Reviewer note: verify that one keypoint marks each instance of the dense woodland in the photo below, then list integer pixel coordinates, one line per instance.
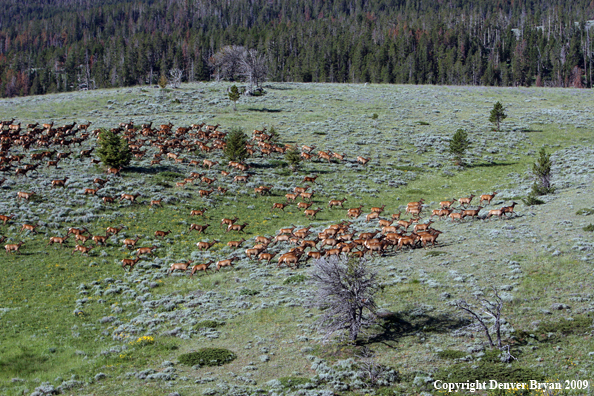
(62, 45)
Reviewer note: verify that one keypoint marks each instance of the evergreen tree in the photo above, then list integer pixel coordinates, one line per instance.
(293, 157)
(234, 96)
(113, 149)
(458, 145)
(235, 149)
(542, 171)
(497, 115)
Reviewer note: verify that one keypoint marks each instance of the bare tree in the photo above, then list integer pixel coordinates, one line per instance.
(176, 77)
(253, 67)
(227, 62)
(492, 311)
(346, 290)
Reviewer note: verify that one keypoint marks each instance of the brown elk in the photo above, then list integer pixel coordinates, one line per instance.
(115, 171)
(496, 212)
(304, 205)
(130, 263)
(59, 240)
(52, 163)
(291, 197)
(508, 209)
(5, 218)
(25, 195)
(198, 212)
(456, 216)
(226, 263)
(312, 212)
(441, 212)
(378, 210)
(385, 223)
(465, 200)
(13, 247)
(130, 243)
(82, 238)
(422, 227)
(430, 236)
(129, 197)
(200, 267)
(99, 181)
(371, 216)
(237, 227)
(472, 212)
(236, 244)
(59, 182)
(91, 191)
(207, 180)
(266, 256)
(205, 193)
(206, 245)
(336, 202)
(363, 160)
(241, 178)
(199, 228)
(146, 250)
(78, 231)
(100, 239)
(288, 259)
(299, 190)
(108, 199)
(162, 234)
(228, 222)
(307, 196)
(156, 202)
(446, 204)
(208, 163)
(355, 212)
(29, 227)
(263, 240)
(405, 224)
(310, 179)
(280, 206)
(82, 249)
(487, 197)
(114, 230)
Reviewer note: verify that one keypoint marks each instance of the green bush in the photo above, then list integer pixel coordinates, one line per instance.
(589, 228)
(532, 200)
(293, 382)
(248, 292)
(294, 279)
(113, 149)
(208, 324)
(207, 357)
(169, 176)
(579, 325)
(585, 212)
(451, 354)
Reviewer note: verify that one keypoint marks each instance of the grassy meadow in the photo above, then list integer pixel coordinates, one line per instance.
(72, 323)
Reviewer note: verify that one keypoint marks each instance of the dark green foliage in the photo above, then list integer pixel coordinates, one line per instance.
(423, 123)
(579, 325)
(169, 176)
(274, 133)
(234, 96)
(22, 364)
(163, 81)
(208, 324)
(293, 157)
(542, 172)
(248, 292)
(278, 163)
(497, 115)
(589, 228)
(458, 145)
(451, 354)
(531, 200)
(113, 150)
(293, 382)
(207, 357)
(585, 212)
(236, 141)
(294, 279)
(386, 392)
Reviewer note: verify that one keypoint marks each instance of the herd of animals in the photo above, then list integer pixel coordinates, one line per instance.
(45, 145)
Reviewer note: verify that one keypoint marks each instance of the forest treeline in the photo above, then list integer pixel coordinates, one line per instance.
(63, 45)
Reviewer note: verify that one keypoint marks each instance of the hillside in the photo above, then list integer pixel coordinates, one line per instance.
(75, 322)
(60, 46)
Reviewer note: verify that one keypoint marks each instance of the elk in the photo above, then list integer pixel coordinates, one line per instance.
(336, 202)
(288, 259)
(472, 212)
(29, 227)
(77, 231)
(405, 224)
(115, 171)
(130, 243)
(414, 210)
(456, 216)
(199, 228)
(25, 195)
(307, 196)
(207, 180)
(129, 197)
(310, 179)
(363, 160)
(299, 190)
(156, 202)
(59, 182)
(5, 218)
(162, 234)
(228, 222)
(496, 212)
(208, 163)
(312, 212)
(236, 244)
(308, 149)
(355, 212)
(108, 199)
(100, 239)
(130, 263)
(226, 263)
(291, 197)
(198, 212)
(241, 178)
(385, 223)
(205, 193)
(237, 227)
(82, 238)
(52, 163)
(146, 250)
(200, 267)
(378, 210)
(82, 249)
(280, 206)
(441, 212)
(408, 240)
(422, 227)
(91, 191)
(371, 216)
(508, 209)
(304, 205)
(13, 247)
(465, 201)
(206, 245)
(487, 197)
(446, 204)
(430, 237)
(266, 256)
(263, 240)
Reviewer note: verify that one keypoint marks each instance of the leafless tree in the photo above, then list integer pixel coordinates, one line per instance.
(492, 311)
(253, 67)
(227, 62)
(346, 290)
(176, 77)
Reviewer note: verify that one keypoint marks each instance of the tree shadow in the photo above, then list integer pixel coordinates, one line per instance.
(491, 164)
(398, 325)
(264, 110)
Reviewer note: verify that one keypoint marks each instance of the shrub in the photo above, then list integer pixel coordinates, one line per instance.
(235, 149)
(293, 382)
(451, 354)
(589, 228)
(234, 96)
(208, 324)
(579, 325)
(207, 357)
(458, 145)
(497, 115)
(532, 200)
(542, 171)
(248, 292)
(169, 176)
(113, 149)
(294, 279)
(293, 157)
(585, 212)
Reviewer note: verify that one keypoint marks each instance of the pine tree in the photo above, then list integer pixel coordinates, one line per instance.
(497, 114)
(542, 171)
(458, 145)
(113, 150)
(293, 157)
(235, 149)
(234, 96)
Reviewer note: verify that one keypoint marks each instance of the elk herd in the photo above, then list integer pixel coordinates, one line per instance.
(289, 246)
